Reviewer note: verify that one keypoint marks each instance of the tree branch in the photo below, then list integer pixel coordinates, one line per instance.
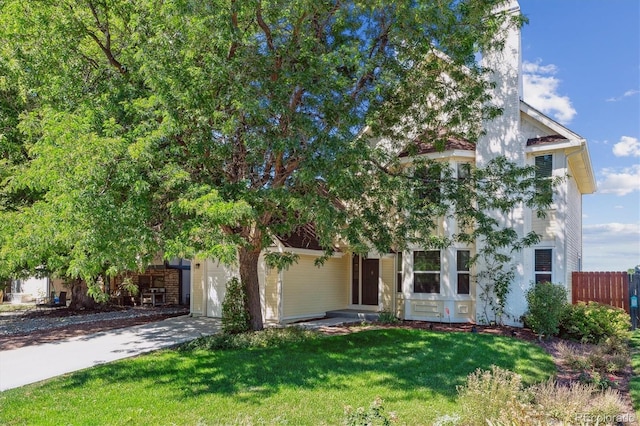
(265, 28)
(106, 46)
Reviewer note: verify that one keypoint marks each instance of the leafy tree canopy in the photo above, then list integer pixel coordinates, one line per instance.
(208, 127)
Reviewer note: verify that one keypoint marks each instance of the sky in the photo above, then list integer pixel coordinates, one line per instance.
(581, 67)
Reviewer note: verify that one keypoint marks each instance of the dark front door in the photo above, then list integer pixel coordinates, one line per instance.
(370, 275)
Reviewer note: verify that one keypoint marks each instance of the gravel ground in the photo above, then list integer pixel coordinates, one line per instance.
(34, 320)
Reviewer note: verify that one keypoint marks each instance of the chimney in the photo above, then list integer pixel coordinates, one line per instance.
(506, 73)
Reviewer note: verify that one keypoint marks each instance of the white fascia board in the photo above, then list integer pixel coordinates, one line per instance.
(548, 147)
(318, 253)
(452, 154)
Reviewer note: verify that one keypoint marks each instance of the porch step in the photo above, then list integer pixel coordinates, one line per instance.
(354, 313)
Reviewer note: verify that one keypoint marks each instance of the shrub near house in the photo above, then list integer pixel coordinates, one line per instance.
(547, 302)
(594, 323)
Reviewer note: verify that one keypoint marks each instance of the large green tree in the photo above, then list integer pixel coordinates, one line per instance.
(209, 127)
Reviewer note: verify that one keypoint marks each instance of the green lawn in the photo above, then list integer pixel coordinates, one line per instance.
(415, 373)
(9, 307)
(634, 385)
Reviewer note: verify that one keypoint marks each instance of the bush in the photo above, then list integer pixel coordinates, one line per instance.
(596, 323)
(546, 305)
(235, 316)
(491, 395)
(387, 317)
(497, 397)
(270, 337)
(565, 403)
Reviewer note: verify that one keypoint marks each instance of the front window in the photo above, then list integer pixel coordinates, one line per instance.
(462, 265)
(426, 271)
(543, 265)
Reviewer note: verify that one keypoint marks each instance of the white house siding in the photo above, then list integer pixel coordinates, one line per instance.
(270, 292)
(504, 137)
(217, 276)
(573, 233)
(547, 227)
(197, 287)
(309, 291)
(387, 283)
(29, 289)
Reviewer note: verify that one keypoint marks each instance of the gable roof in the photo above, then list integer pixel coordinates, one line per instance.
(304, 237)
(574, 146)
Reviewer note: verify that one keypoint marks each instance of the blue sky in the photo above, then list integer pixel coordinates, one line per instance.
(581, 66)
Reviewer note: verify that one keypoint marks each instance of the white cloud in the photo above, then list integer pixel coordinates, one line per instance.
(624, 95)
(611, 246)
(620, 181)
(627, 147)
(541, 91)
(536, 68)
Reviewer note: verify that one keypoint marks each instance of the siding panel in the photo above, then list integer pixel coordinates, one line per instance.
(309, 291)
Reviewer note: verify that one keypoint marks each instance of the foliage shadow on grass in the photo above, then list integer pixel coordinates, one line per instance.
(398, 359)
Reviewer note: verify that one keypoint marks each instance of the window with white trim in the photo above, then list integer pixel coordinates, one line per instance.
(430, 177)
(543, 265)
(464, 276)
(426, 271)
(544, 170)
(463, 171)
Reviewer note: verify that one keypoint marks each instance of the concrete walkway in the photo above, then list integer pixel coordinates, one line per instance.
(31, 364)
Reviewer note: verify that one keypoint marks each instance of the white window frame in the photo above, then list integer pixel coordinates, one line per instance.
(466, 271)
(437, 273)
(537, 272)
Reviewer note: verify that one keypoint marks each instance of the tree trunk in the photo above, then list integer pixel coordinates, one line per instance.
(79, 297)
(249, 276)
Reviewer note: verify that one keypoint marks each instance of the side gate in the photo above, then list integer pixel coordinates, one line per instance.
(634, 292)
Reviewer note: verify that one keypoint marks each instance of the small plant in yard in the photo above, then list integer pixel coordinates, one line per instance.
(497, 397)
(600, 381)
(235, 316)
(563, 403)
(491, 395)
(372, 416)
(546, 304)
(388, 317)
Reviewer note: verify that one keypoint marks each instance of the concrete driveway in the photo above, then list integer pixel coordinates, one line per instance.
(31, 364)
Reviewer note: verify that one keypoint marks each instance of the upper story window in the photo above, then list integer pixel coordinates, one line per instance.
(543, 265)
(426, 271)
(544, 170)
(463, 171)
(544, 165)
(430, 180)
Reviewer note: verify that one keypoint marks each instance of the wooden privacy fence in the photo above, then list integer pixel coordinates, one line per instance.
(610, 288)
